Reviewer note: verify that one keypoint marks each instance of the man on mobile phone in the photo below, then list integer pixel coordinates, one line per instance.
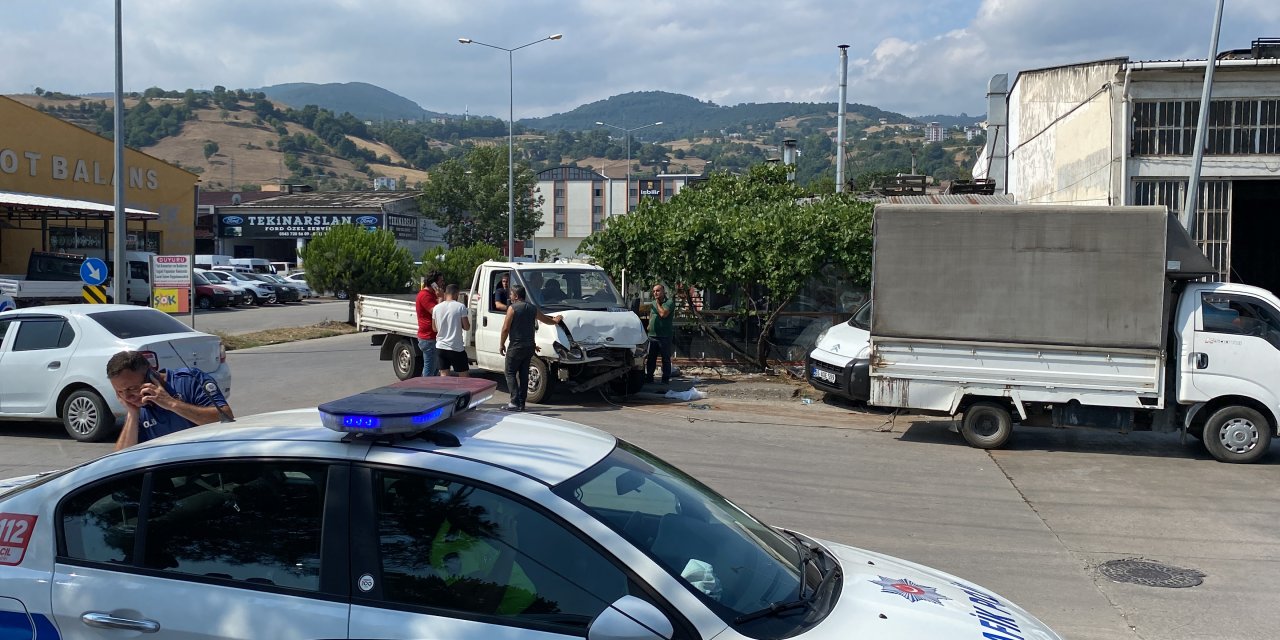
(164, 401)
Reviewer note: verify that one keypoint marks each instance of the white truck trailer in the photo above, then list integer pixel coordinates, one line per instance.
(599, 342)
(1068, 316)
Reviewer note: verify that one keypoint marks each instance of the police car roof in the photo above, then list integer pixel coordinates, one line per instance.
(546, 449)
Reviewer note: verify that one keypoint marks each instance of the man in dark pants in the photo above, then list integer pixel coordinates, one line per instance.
(662, 313)
(520, 325)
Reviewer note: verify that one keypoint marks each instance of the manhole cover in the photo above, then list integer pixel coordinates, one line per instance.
(1151, 574)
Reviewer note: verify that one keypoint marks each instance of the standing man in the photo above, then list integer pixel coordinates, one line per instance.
(502, 297)
(520, 325)
(162, 402)
(425, 304)
(661, 332)
(450, 319)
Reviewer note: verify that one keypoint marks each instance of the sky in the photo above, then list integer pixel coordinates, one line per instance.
(916, 57)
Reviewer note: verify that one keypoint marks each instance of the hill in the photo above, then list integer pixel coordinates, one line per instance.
(684, 116)
(360, 99)
(962, 120)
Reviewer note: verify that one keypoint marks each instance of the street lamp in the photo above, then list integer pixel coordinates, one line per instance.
(511, 137)
(627, 133)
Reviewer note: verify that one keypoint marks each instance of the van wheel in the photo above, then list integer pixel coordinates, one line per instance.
(539, 381)
(987, 425)
(86, 416)
(406, 359)
(1237, 434)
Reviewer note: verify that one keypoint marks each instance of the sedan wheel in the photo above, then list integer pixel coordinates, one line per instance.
(86, 416)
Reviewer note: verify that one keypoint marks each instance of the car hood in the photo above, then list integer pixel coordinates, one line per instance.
(888, 598)
(607, 328)
(844, 342)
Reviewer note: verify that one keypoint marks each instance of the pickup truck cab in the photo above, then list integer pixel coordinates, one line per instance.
(600, 341)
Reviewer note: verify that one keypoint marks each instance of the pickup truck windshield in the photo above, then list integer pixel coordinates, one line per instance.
(553, 288)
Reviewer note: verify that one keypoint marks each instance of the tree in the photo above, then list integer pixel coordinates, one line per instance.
(467, 197)
(759, 236)
(350, 258)
(210, 148)
(457, 264)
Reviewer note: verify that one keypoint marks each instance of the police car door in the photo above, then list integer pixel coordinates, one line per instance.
(434, 556)
(224, 549)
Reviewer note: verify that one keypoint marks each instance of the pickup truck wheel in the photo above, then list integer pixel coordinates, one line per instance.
(86, 416)
(987, 425)
(406, 359)
(539, 381)
(1237, 434)
(628, 384)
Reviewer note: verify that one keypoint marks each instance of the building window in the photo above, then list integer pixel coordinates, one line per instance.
(597, 209)
(559, 210)
(668, 192)
(1236, 127)
(559, 193)
(597, 192)
(634, 193)
(1213, 215)
(559, 227)
(597, 225)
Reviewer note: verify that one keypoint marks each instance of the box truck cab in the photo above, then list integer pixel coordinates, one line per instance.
(1040, 315)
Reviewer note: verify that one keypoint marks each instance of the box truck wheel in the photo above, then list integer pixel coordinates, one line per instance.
(987, 425)
(1237, 434)
(406, 359)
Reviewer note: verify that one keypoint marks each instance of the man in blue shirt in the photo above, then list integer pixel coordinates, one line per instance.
(162, 402)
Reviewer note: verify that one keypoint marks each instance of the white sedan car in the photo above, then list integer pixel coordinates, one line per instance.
(398, 514)
(53, 361)
(301, 277)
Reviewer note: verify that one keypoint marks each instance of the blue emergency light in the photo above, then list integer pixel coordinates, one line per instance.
(404, 408)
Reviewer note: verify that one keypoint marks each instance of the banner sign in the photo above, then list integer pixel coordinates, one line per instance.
(650, 189)
(290, 226)
(171, 283)
(404, 227)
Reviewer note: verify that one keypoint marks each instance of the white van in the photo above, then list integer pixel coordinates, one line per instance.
(256, 265)
(211, 261)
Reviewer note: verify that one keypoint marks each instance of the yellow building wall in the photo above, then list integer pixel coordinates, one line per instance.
(42, 155)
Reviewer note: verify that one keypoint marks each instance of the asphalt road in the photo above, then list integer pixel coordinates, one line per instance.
(1031, 522)
(248, 318)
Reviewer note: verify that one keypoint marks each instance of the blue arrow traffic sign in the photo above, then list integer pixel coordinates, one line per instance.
(93, 271)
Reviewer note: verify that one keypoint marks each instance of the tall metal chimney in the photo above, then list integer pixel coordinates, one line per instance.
(789, 157)
(844, 98)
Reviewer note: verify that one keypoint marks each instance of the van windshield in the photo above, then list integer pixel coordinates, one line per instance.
(862, 317)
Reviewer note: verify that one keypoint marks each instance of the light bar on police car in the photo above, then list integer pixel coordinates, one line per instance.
(406, 407)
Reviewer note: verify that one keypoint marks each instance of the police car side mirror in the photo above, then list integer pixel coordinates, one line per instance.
(630, 618)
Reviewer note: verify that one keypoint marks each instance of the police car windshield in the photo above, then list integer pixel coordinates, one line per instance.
(722, 554)
(553, 288)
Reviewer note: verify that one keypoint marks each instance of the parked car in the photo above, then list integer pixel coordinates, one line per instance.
(301, 276)
(479, 525)
(210, 295)
(260, 292)
(239, 293)
(53, 361)
(304, 290)
(284, 292)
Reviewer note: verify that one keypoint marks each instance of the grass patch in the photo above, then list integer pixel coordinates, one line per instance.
(325, 329)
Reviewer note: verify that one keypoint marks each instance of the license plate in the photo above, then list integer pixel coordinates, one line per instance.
(825, 376)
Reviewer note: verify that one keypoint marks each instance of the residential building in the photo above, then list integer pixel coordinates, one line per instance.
(934, 132)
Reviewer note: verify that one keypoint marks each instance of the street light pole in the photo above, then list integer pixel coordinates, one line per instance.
(627, 132)
(511, 136)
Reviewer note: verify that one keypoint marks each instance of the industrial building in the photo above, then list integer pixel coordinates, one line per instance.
(1118, 131)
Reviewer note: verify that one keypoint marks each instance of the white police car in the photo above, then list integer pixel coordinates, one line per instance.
(411, 518)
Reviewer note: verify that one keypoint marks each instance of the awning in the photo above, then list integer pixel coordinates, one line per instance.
(28, 206)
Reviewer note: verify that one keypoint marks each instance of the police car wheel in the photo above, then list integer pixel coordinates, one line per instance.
(987, 425)
(539, 381)
(86, 417)
(406, 359)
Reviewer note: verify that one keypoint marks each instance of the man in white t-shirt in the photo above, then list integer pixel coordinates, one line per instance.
(449, 318)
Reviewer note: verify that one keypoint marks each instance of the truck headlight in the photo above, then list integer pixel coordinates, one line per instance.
(642, 349)
(567, 353)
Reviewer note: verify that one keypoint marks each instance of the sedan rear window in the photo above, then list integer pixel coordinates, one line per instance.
(138, 323)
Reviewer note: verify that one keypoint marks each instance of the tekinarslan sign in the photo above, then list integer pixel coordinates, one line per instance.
(404, 227)
(289, 226)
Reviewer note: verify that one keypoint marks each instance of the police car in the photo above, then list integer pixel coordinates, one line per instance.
(403, 513)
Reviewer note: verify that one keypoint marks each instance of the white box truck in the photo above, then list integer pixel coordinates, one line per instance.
(1067, 316)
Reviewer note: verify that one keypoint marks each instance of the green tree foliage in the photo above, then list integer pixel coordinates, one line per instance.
(468, 198)
(210, 148)
(757, 235)
(457, 264)
(352, 259)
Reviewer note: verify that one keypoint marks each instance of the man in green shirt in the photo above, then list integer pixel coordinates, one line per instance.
(661, 331)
